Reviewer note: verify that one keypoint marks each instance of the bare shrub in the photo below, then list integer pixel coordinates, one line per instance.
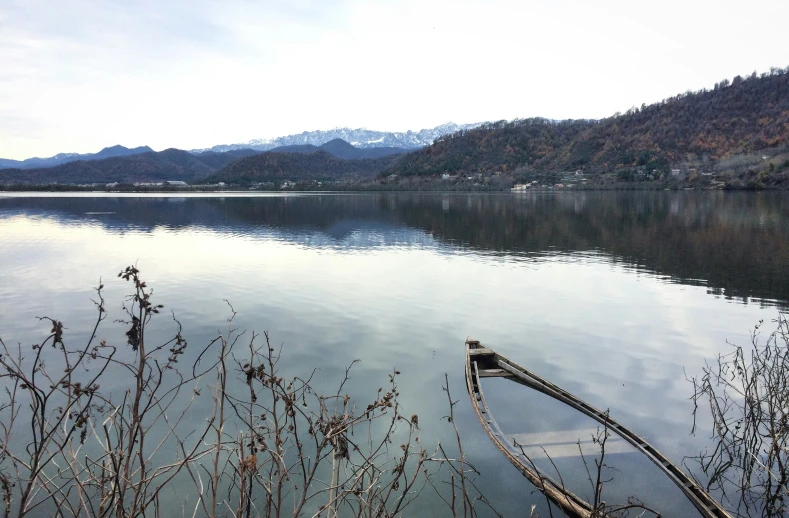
(102, 429)
(747, 392)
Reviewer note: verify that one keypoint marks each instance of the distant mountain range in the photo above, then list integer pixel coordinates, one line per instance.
(62, 158)
(382, 142)
(734, 135)
(170, 164)
(360, 138)
(335, 159)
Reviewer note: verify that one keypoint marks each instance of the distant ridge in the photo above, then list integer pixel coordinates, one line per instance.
(170, 164)
(359, 137)
(387, 142)
(335, 159)
(62, 158)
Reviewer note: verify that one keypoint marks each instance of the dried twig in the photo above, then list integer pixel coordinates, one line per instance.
(747, 392)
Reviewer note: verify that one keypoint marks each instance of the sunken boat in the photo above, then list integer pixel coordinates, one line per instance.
(483, 362)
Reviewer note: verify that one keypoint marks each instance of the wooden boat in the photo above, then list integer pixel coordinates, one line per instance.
(483, 362)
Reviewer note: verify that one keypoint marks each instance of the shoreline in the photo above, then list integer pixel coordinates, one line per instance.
(382, 189)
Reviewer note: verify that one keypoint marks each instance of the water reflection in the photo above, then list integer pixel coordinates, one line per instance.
(735, 244)
(610, 295)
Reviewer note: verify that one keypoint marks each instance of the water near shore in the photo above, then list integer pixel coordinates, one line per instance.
(613, 296)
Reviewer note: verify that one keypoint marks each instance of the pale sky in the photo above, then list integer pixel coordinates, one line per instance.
(79, 75)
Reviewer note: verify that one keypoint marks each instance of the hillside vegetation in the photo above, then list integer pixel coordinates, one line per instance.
(696, 131)
(342, 149)
(276, 166)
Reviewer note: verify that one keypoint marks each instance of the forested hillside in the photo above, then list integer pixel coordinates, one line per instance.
(695, 130)
(342, 149)
(320, 165)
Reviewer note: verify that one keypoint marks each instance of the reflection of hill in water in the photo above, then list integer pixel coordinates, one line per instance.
(737, 244)
(311, 221)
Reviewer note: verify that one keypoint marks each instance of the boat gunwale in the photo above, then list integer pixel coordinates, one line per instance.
(704, 503)
(557, 493)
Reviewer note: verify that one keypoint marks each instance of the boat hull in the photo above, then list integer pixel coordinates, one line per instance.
(483, 362)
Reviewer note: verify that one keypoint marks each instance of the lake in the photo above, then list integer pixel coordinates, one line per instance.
(616, 297)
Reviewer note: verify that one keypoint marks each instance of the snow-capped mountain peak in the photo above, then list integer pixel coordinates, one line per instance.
(359, 137)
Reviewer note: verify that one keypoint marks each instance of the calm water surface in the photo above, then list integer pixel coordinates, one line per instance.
(613, 296)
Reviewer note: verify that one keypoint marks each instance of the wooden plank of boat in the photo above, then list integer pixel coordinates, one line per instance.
(480, 362)
(567, 443)
(558, 437)
(587, 449)
(494, 373)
